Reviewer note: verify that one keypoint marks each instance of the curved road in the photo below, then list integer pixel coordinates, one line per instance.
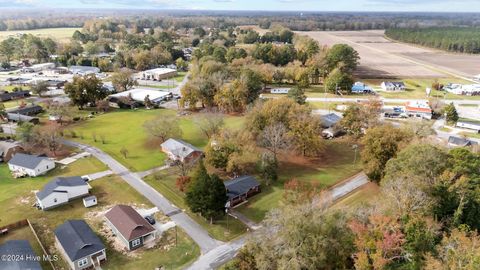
(195, 231)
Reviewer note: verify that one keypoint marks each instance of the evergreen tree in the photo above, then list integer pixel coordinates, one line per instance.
(206, 194)
(298, 94)
(451, 114)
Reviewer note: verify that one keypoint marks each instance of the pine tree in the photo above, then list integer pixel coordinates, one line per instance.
(206, 194)
(451, 114)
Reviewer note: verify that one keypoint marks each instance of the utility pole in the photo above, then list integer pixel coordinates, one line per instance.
(355, 148)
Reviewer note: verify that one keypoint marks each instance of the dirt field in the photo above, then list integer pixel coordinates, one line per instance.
(382, 58)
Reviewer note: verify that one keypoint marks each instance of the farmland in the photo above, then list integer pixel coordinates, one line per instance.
(60, 34)
(382, 58)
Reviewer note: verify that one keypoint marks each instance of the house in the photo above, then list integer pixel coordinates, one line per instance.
(90, 201)
(15, 249)
(38, 67)
(158, 74)
(419, 108)
(24, 164)
(6, 96)
(460, 142)
(361, 88)
(129, 226)
(279, 90)
(79, 245)
(468, 125)
(60, 191)
(179, 150)
(8, 149)
(393, 86)
(329, 120)
(27, 110)
(83, 70)
(20, 118)
(240, 189)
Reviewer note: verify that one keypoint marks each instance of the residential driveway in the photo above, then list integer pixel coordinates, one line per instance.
(342, 189)
(195, 231)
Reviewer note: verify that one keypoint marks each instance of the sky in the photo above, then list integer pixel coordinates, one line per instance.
(280, 5)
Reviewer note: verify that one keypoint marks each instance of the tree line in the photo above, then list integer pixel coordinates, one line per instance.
(452, 39)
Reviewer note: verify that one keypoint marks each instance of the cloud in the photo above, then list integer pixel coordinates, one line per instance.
(18, 3)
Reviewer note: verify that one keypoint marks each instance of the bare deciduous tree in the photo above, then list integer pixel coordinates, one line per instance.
(210, 123)
(163, 128)
(275, 138)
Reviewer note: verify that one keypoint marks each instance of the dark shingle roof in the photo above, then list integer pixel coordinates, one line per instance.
(460, 141)
(128, 222)
(21, 118)
(60, 182)
(330, 119)
(28, 110)
(179, 147)
(26, 161)
(22, 248)
(77, 239)
(240, 185)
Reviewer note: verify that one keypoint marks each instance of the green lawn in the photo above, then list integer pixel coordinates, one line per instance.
(415, 89)
(335, 165)
(18, 193)
(124, 128)
(60, 34)
(110, 191)
(164, 182)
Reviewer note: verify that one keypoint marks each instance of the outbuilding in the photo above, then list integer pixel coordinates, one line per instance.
(468, 125)
(158, 74)
(90, 201)
(8, 149)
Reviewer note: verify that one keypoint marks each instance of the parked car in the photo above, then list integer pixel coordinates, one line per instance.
(150, 220)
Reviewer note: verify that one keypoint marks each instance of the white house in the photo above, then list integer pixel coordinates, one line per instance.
(158, 74)
(38, 67)
(468, 125)
(23, 164)
(393, 86)
(60, 191)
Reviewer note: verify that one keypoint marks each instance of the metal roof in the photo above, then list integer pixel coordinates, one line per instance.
(330, 119)
(78, 240)
(179, 148)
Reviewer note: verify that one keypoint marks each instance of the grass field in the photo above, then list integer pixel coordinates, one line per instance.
(60, 34)
(124, 128)
(164, 182)
(16, 195)
(415, 89)
(335, 165)
(110, 190)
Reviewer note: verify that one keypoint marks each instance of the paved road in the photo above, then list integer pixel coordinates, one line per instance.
(390, 100)
(226, 252)
(195, 231)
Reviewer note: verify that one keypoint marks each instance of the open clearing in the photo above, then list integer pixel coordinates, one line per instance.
(60, 34)
(382, 58)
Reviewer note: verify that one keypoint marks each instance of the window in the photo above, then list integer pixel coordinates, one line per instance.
(55, 200)
(82, 262)
(136, 242)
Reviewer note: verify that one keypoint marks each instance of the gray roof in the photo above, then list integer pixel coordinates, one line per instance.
(28, 110)
(22, 248)
(240, 185)
(460, 141)
(26, 161)
(179, 147)
(330, 120)
(51, 186)
(78, 240)
(20, 117)
(90, 198)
